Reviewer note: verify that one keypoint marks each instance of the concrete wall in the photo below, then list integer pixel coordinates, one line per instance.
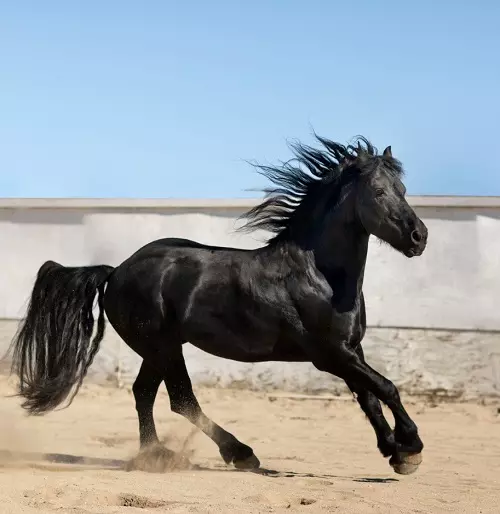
(433, 319)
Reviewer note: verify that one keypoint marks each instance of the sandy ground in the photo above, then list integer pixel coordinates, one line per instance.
(318, 456)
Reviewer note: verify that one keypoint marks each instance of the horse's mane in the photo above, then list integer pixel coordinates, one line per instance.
(298, 177)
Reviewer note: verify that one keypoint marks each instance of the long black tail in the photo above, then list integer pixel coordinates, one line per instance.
(53, 348)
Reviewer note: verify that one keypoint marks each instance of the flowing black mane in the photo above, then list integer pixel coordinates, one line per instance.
(301, 175)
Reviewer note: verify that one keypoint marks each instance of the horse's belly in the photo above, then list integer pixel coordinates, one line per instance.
(219, 336)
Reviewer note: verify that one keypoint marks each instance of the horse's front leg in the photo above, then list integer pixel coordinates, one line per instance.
(370, 405)
(341, 360)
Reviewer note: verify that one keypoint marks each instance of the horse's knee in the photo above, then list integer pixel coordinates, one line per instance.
(391, 392)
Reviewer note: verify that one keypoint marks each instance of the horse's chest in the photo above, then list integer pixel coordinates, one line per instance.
(322, 319)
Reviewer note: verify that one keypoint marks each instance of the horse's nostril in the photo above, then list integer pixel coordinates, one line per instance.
(416, 237)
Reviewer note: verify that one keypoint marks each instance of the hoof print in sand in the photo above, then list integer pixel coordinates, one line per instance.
(307, 501)
(139, 502)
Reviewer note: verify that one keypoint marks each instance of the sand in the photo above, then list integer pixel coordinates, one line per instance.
(318, 456)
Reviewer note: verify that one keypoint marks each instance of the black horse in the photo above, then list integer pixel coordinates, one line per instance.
(298, 298)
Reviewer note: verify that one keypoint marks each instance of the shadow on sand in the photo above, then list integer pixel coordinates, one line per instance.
(162, 460)
(292, 474)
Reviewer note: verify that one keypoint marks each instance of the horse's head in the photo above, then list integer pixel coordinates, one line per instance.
(381, 205)
(352, 184)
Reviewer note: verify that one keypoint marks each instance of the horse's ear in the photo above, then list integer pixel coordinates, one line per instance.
(387, 152)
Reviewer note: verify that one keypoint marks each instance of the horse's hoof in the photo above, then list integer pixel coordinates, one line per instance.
(251, 462)
(406, 463)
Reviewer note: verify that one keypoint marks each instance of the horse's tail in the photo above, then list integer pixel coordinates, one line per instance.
(53, 348)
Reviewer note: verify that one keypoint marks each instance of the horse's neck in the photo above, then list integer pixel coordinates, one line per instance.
(341, 257)
(340, 248)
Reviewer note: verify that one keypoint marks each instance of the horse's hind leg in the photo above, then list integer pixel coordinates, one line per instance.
(184, 402)
(163, 360)
(145, 389)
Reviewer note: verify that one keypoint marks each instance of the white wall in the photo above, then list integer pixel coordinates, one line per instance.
(454, 285)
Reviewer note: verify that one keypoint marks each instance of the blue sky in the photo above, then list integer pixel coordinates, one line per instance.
(168, 99)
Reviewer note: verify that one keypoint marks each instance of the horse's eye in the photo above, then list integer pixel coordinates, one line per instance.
(380, 192)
